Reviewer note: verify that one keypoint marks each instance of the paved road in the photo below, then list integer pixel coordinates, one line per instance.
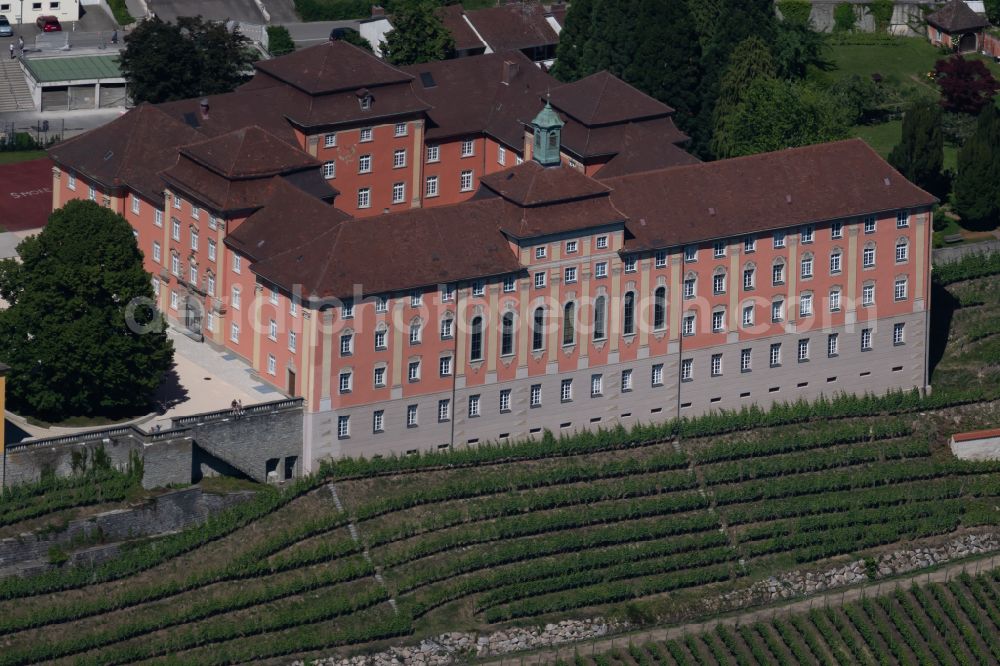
(308, 34)
(567, 652)
(217, 10)
(945, 254)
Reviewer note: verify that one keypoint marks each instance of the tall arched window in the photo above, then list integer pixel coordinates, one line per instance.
(628, 323)
(507, 335)
(476, 340)
(538, 330)
(569, 324)
(600, 317)
(660, 308)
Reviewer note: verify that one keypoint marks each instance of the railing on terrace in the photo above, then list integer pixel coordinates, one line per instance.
(223, 414)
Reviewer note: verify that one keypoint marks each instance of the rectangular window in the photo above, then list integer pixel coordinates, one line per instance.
(364, 197)
(431, 186)
(626, 381)
(234, 332)
(365, 164)
(868, 294)
(411, 416)
(719, 284)
(691, 253)
(158, 218)
(347, 309)
(330, 140)
(91, 193)
(382, 304)
(748, 315)
(478, 288)
(748, 279)
(135, 204)
(540, 280)
(501, 155)
(689, 287)
(156, 251)
(399, 158)
(366, 134)
(631, 264)
(899, 290)
(596, 385)
(601, 269)
(433, 153)
(413, 371)
(468, 148)
(505, 400)
(779, 239)
(345, 381)
(195, 212)
(778, 274)
(777, 311)
(194, 240)
(835, 300)
(173, 300)
(346, 344)
(235, 300)
(837, 230)
(398, 193)
(656, 376)
(870, 224)
(175, 266)
(400, 129)
(719, 249)
(272, 364)
(687, 370)
(444, 366)
(236, 263)
(807, 267)
(175, 229)
(745, 360)
(902, 251)
(447, 293)
(805, 305)
(210, 284)
(541, 252)
(193, 275)
(902, 219)
(571, 247)
(832, 344)
(381, 336)
(687, 326)
(868, 257)
(210, 321)
(508, 284)
(866, 339)
(660, 260)
(536, 395)
(415, 329)
(570, 275)
(379, 377)
(566, 390)
(718, 321)
(835, 262)
(749, 244)
(416, 299)
(70, 178)
(329, 170)
(473, 405)
(775, 354)
(444, 410)
(898, 334)
(177, 202)
(602, 242)
(716, 365)
(213, 222)
(806, 234)
(293, 340)
(211, 249)
(804, 350)
(378, 420)
(465, 181)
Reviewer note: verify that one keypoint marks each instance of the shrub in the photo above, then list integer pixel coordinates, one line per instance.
(844, 17)
(881, 11)
(795, 11)
(122, 15)
(279, 41)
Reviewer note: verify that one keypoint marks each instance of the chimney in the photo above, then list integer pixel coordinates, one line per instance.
(204, 107)
(510, 70)
(378, 11)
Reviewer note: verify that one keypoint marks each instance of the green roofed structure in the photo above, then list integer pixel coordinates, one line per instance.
(75, 82)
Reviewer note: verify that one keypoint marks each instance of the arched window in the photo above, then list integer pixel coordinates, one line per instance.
(660, 308)
(628, 311)
(538, 330)
(507, 335)
(476, 340)
(600, 318)
(569, 324)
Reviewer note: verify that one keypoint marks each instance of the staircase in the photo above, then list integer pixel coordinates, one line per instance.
(14, 93)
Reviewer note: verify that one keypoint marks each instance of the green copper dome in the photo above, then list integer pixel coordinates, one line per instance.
(547, 126)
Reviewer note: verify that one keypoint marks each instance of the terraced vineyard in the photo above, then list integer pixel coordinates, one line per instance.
(475, 546)
(957, 622)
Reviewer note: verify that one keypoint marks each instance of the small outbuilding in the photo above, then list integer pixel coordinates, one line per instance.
(75, 82)
(977, 445)
(957, 27)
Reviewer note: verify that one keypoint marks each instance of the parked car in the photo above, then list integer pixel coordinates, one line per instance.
(5, 29)
(48, 24)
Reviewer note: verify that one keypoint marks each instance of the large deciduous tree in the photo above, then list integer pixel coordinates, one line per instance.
(920, 155)
(163, 61)
(993, 11)
(81, 334)
(977, 184)
(966, 85)
(418, 34)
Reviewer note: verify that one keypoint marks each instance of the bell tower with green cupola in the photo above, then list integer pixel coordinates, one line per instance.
(547, 127)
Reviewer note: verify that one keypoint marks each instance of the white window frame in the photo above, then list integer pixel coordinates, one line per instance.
(465, 181)
(364, 197)
(431, 187)
(398, 193)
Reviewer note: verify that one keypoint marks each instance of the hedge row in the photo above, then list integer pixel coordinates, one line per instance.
(975, 265)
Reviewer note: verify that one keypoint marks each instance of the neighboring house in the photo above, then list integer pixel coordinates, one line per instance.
(957, 27)
(437, 256)
(64, 10)
(528, 27)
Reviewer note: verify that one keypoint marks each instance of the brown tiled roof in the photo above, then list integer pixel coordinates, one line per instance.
(130, 150)
(468, 96)
(395, 252)
(332, 66)
(249, 152)
(463, 34)
(643, 148)
(602, 99)
(732, 197)
(587, 142)
(390, 101)
(531, 184)
(956, 16)
(261, 105)
(289, 218)
(531, 222)
(513, 27)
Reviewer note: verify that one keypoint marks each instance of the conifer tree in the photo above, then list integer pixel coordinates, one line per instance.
(977, 184)
(920, 154)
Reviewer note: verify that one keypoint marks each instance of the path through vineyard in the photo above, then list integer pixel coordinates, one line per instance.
(566, 653)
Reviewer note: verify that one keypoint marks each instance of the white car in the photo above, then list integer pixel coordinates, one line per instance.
(5, 29)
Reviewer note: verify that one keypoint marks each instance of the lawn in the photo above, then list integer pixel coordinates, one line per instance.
(905, 60)
(884, 137)
(20, 156)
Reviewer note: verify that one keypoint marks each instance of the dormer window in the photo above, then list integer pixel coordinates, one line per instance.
(365, 99)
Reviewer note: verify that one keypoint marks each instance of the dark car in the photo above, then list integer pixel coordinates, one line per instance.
(5, 29)
(48, 24)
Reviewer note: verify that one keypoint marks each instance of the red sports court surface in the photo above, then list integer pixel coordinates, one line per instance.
(25, 194)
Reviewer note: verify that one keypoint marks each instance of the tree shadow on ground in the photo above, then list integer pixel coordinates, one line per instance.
(170, 392)
(943, 306)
